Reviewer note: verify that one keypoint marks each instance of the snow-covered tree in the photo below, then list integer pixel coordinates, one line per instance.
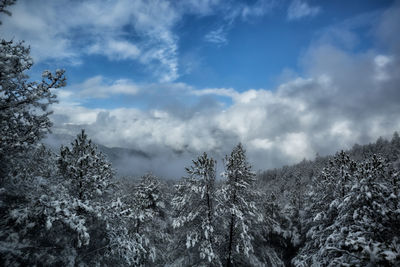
(194, 205)
(327, 192)
(238, 206)
(24, 114)
(152, 217)
(147, 201)
(365, 232)
(40, 222)
(137, 227)
(88, 177)
(126, 246)
(353, 212)
(85, 168)
(272, 236)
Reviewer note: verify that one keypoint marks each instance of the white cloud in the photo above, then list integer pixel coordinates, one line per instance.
(342, 98)
(35, 24)
(299, 9)
(297, 146)
(229, 92)
(261, 143)
(59, 30)
(98, 87)
(115, 50)
(302, 117)
(325, 111)
(73, 115)
(217, 36)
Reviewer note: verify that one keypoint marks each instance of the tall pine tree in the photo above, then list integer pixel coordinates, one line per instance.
(85, 168)
(238, 207)
(194, 204)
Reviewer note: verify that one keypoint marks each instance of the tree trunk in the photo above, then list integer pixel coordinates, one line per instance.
(229, 263)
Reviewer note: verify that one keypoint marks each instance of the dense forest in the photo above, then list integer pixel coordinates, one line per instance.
(69, 208)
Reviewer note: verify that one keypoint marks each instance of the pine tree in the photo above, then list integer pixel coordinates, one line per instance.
(238, 207)
(327, 192)
(88, 177)
(354, 214)
(194, 205)
(85, 168)
(271, 235)
(147, 200)
(365, 232)
(24, 115)
(149, 209)
(40, 222)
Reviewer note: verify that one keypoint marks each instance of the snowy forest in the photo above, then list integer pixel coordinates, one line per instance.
(68, 208)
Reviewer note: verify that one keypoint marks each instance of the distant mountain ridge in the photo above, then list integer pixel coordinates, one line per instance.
(116, 155)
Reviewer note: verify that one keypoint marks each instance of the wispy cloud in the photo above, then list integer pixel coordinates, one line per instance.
(258, 9)
(217, 36)
(232, 11)
(299, 9)
(98, 87)
(228, 92)
(119, 30)
(115, 50)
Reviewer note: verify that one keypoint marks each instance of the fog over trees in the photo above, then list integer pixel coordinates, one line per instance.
(68, 208)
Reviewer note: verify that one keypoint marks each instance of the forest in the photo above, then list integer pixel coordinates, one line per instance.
(68, 208)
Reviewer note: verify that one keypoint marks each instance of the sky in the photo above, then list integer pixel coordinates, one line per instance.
(287, 78)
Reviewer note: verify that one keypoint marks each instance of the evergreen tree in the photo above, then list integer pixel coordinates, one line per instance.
(194, 205)
(327, 192)
(137, 224)
(86, 169)
(365, 231)
(24, 115)
(88, 177)
(147, 200)
(271, 235)
(40, 222)
(238, 206)
(353, 212)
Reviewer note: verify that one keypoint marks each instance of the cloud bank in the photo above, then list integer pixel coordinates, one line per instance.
(342, 97)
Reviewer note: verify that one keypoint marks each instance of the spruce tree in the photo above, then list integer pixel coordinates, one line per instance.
(24, 114)
(86, 169)
(194, 205)
(238, 207)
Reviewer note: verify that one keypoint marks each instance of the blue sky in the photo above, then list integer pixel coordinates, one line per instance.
(252, 54)
(288, 78)
(252, 51)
